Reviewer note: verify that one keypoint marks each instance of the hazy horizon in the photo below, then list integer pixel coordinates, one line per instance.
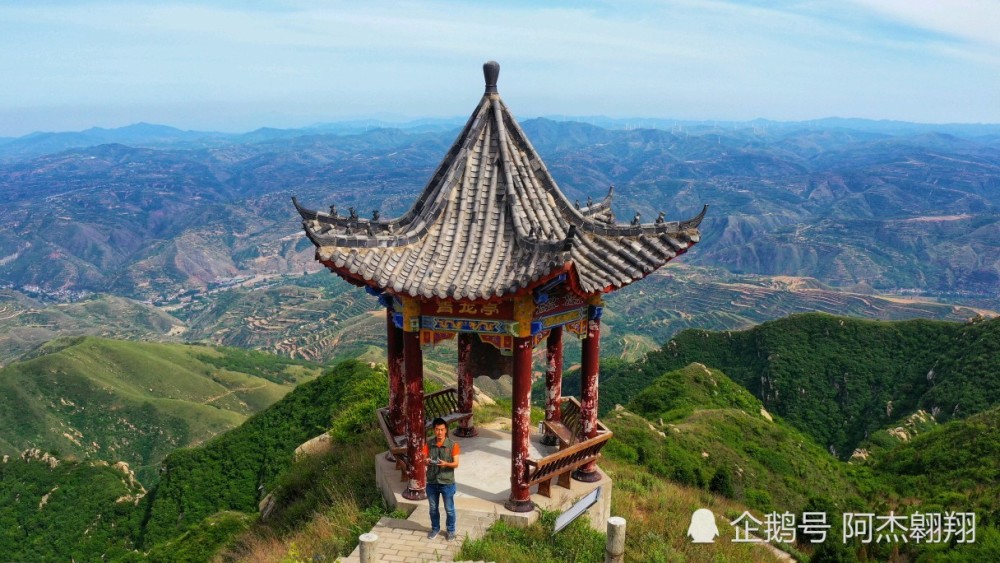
(455, 121)
(231, 66)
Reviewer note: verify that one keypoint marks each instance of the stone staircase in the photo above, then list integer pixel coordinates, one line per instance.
(406, 540)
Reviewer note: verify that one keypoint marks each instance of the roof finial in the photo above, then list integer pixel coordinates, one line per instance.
(491, 71)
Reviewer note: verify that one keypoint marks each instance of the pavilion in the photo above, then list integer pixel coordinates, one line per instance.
(493, 254)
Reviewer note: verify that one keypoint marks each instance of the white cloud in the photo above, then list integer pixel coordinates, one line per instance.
(976, 21)
(683, 58)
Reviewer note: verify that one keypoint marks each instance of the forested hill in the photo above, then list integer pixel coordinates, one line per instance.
(111, 400)
(838, 379)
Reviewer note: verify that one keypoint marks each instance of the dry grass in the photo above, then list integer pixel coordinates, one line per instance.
(318, 522)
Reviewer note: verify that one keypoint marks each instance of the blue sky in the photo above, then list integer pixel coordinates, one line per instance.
(236, 66)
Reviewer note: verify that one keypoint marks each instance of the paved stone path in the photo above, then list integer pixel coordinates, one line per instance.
(406, 540)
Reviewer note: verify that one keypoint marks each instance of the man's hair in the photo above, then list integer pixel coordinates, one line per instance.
(439, 422)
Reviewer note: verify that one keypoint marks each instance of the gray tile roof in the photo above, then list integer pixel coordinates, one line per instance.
(491, 222)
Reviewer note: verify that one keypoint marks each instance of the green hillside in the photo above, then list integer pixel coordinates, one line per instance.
(692, 438)
(696, 427)
(838, 379)
(955, 466)
(94, 398)
(208, 494)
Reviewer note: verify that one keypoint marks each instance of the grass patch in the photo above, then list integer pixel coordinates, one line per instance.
(658, 513)
(501, 408)
(504, 542)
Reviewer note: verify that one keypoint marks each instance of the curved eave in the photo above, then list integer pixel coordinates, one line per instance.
(590, 227)
(356, 276)
(343, 222)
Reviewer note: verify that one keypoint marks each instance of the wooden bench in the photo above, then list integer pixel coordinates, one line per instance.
(397, 443)
(560, 464)
(569, 430)
(443, 404)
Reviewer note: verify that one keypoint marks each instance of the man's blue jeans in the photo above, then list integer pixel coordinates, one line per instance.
(448, 492)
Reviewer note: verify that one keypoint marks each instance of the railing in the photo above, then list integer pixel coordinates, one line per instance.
(397, 444)
(560, 464)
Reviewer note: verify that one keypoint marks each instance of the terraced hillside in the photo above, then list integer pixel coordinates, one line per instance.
(94, 398)
(314, 317)
(682, 297)
(320, 317)
(26, 323)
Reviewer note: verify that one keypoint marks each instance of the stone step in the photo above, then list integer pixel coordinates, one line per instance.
(406, 540)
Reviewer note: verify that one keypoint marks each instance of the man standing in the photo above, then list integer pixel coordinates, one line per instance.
(442, 459)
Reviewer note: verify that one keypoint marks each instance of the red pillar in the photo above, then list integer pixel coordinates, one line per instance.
(413, 365)
(553, 380)
(520, 493)
(397, 388)
(466, 393)
(589, 363)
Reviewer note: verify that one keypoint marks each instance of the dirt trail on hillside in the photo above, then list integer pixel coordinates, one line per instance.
(231, 391)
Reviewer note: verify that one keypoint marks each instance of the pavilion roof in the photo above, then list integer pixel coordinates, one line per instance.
(492, 222)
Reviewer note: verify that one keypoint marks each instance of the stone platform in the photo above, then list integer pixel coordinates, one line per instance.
(483, 478)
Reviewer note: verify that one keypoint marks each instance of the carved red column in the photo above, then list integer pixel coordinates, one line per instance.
(520, 493)
(589, 364)
(466, 392)
(397, 389)
(553, 380)
(413, 366)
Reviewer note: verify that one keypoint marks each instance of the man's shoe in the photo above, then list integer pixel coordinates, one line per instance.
(433, 534)
(451, 536)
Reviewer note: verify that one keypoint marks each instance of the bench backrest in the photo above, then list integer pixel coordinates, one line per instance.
(382, 415)
(440, 404)
(571, 416)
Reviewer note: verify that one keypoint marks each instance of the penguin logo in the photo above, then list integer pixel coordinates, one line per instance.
(703, 528)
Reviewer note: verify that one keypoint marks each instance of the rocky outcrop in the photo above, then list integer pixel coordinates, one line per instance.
(317, 446)
(35, 454)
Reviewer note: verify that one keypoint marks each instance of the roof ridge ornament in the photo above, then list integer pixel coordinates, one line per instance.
(491, 71)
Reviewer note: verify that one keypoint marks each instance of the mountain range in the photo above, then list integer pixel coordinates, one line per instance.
(914, 212)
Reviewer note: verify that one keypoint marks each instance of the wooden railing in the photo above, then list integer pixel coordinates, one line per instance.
(560, 464)
(575, 450)
(397, 443)
(443, 404)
